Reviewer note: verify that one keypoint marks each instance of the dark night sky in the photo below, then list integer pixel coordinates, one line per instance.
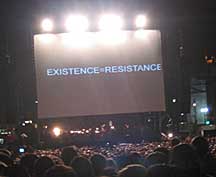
(196, 20)
(17, 12)
(169, 7)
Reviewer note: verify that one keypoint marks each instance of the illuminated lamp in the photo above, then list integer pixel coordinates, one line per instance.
(47, 25)
(56, 131)
(140, 21)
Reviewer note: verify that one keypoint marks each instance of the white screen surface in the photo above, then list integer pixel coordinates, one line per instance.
(96, 73)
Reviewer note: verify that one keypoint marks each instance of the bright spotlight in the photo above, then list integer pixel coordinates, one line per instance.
(77, 23)
(56, 131)
(47, 25)
(204, 110)
(140, 21)
(207, 122)
(110, 22)
(97, 131)
(112, 127)
(174, 100)
(170, 135)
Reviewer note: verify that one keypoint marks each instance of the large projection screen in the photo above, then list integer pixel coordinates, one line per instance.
(99, 73)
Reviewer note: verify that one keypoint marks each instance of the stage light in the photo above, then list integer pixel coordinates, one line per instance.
(56, 131)
(97, 131)
(207, 122)
(174, 100)
(140, 21)
(204, 110)
(112, 127)
(110, 22)
(47, 25)
(194, 104)
(76, 23)
(170, 135)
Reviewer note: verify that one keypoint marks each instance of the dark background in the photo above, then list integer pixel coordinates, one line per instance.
(188, 32)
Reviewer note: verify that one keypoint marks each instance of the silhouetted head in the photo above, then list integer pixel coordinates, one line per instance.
(111, 172)
(165, 151)
(134, 158)
(98, 163)
(3, 168)
(68, 153)
(27, 162)
(185, 156)
(201, 145)
(60, 171)
(5, 159)
(155, 158)
(17, 171)
(134, 170)
(83, 167)
(6, 152)
(175, 141)
(41, 165)
(164, 171)
(111, 163)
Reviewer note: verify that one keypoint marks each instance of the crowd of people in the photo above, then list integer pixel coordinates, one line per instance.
(169, 158)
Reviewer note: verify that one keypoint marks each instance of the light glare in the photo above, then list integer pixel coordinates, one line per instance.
(112, 127)
(78, 40)
(140, 21)
(76, 23)
(204, 110)
(170, 135)
(114, 38)
(56, 131)
(47, 25)
(207, 122)
(174, 100)
(110, 22)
